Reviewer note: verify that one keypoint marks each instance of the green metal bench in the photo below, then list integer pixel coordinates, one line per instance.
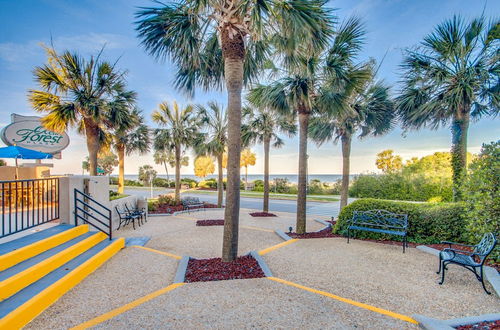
(472, 261)
(380, 221)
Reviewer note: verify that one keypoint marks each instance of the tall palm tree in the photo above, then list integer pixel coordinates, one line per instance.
(215, 42)
(295, 92)
(165, 158)
(181, 131)
(264, 126)
(248, 158)
(361, 103)
(130, 135)
(215, 140)
(76, 92)
(452, 76)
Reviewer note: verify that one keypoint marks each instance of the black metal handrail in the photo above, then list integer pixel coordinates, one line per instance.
(25, 204)
(92, 212)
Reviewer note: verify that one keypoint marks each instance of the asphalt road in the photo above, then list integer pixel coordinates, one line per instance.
(313, 208)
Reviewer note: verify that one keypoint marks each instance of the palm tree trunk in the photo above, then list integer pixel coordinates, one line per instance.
(267, 143)
(120, 149)
(92, 134)
(246, 178)
(233, 50)
(177, 173)
(302, 184)
(346, 163)
(220, 183)
(459, 130)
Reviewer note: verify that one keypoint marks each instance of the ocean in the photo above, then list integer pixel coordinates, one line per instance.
(251, 177)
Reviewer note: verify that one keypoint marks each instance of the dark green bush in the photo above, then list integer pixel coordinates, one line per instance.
(427, 222)
(160, 182)
(398, 186)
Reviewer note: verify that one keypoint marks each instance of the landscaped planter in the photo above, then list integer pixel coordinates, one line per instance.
(169, 209)
(262, 214)
(214, 269)
(204, 223)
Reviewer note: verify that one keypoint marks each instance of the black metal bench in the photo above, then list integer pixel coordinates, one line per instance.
(126, 218)
(136, 211)
(190, 203)
(380, 221)
(469, 260)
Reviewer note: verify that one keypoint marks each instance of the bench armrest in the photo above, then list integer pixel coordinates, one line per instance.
(453, 243)
(459, 251)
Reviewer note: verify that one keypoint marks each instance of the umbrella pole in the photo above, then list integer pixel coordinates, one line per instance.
(17, 171)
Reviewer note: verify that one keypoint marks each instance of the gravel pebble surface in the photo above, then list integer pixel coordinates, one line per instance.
(129, 275)
(248, 304)
(381, 275)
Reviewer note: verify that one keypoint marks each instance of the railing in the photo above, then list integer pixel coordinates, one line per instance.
(28, 203)
(92, 212)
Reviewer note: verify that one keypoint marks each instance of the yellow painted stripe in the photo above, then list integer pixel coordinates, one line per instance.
(257, 228)
(29, 310)
(347, 301)
(277, 246)
(127, 307)
(13, 258)
(21, 280)
(157, 251)
(184, 217)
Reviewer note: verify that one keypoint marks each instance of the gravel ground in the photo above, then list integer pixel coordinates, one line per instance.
(247, 304)
(376, 274)
(206, 242)
(129, 275)
(381, 275)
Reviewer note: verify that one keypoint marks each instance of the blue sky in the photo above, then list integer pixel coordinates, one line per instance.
(86, 25)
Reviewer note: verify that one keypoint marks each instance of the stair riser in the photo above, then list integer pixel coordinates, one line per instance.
(29, 310)
(13, 258)
(18, 282)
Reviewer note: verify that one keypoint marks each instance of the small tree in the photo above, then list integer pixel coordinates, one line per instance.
(106, 162)
(388, 162)
(147, 175)
(2, 162)
(248, 158)
(165, 158)
(203, 166)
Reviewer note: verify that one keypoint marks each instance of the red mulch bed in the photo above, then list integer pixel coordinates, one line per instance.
(218, 222)
(489, 262)
(169, 209)
(214, 269)
(493, 325)
(262, 214)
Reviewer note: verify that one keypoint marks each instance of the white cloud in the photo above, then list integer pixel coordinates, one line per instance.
(86, 43)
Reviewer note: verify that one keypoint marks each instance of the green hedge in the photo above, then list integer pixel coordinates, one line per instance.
(427, 222)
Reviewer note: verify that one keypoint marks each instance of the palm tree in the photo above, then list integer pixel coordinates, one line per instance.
(295, 93)
(130, 135)
(77, 93)
(165, 158)
(216, 42)
(215, 140)
(180, 133)
(452, 76)
(263, 126)
(350, 98)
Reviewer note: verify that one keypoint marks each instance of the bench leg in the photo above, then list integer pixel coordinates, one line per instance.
(443, 266)
(482, 281)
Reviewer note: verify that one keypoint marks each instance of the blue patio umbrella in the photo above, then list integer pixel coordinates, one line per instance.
(22, 153)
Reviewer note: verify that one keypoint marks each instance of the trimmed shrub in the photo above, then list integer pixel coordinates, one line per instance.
(427, 222)
(398, 186)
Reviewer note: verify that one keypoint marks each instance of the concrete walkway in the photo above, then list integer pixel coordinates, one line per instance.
(316, 284)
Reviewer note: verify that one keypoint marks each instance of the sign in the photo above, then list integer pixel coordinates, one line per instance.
(28, 132)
